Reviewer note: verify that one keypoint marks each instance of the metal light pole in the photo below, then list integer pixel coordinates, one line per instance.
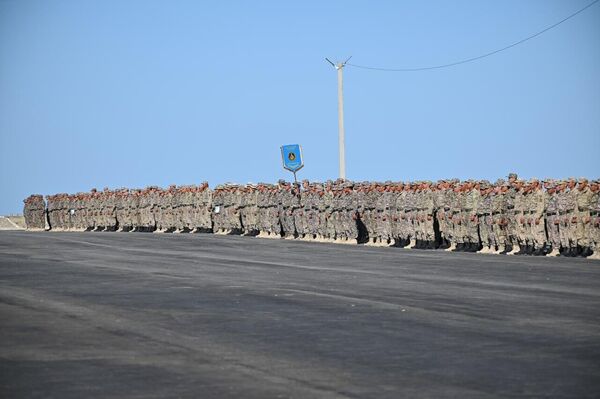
(341, 133)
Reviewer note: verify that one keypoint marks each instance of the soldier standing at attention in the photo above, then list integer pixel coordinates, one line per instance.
(454, 220)
(499, 221)
(428, 204)
(472, 200)
(562, 201)
(323, 211)
(275, 208)
(515, 216)
(484, 217)
(552, 217)
(396, 229)
(571, 217)
(512, 215)
(288, 201)
(594, 229)
(583, 217)
(537, 215)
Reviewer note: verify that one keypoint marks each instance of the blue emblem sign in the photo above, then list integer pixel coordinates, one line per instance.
(291, 156)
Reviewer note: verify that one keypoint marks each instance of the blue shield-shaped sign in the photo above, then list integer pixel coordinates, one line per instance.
(291, 156)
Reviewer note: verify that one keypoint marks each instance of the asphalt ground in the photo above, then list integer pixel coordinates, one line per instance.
(86, 315)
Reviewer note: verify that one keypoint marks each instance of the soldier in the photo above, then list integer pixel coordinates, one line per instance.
(217, 210)
(349, 226)
(410, 214)
(512, 227)
(537, 213)
(288, 200)
(500, 218)
(582, 218)
(515, 217)
(275, 212)
(594, 229)
(111, 211)
(301, 209)
(262, 205)
(562, 201)
(395, 215)
(485, 218)
(458, 230)
(552, 217)
(428, 209)
(472, 201)
(570, 218)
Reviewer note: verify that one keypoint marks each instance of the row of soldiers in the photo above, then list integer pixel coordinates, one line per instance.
(548, 217)
(150, 209)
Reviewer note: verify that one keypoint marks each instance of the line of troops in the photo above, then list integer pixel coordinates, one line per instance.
(513, 216)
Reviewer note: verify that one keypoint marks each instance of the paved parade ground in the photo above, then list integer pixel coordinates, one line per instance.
(86, 315)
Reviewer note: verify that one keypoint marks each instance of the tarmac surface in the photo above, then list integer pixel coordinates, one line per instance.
(97, 315)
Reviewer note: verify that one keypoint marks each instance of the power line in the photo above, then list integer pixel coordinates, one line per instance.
(480, 56)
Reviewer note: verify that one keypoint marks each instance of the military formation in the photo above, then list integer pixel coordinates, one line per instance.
(34, 212)
(513, 216)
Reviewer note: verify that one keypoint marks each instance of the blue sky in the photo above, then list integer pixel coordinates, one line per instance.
(136, 93)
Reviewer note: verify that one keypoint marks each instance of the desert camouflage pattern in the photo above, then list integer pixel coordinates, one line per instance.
(513, 216)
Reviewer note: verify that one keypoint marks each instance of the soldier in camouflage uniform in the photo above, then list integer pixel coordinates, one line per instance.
(299, 211)
(499, 217)
(369, 213)
(472, 200)
(583, 217)
(395, 216)
(552, 217)
(458, 236)
(428, 210)
(562, 201)
(349, 217)
(274, 210)
(516, 217)
(570, 218)
(485, 218)
(537, 213)
(594, 229)
(288, 201)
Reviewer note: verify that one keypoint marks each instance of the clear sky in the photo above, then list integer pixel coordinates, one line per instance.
(137, 93)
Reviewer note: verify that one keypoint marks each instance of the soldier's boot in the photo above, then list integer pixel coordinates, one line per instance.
(595, 255)
(555, 252)
(451, 247)
(516, 249)
(500, 249)
(412, 243)
(484, 250)
(586, 252)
